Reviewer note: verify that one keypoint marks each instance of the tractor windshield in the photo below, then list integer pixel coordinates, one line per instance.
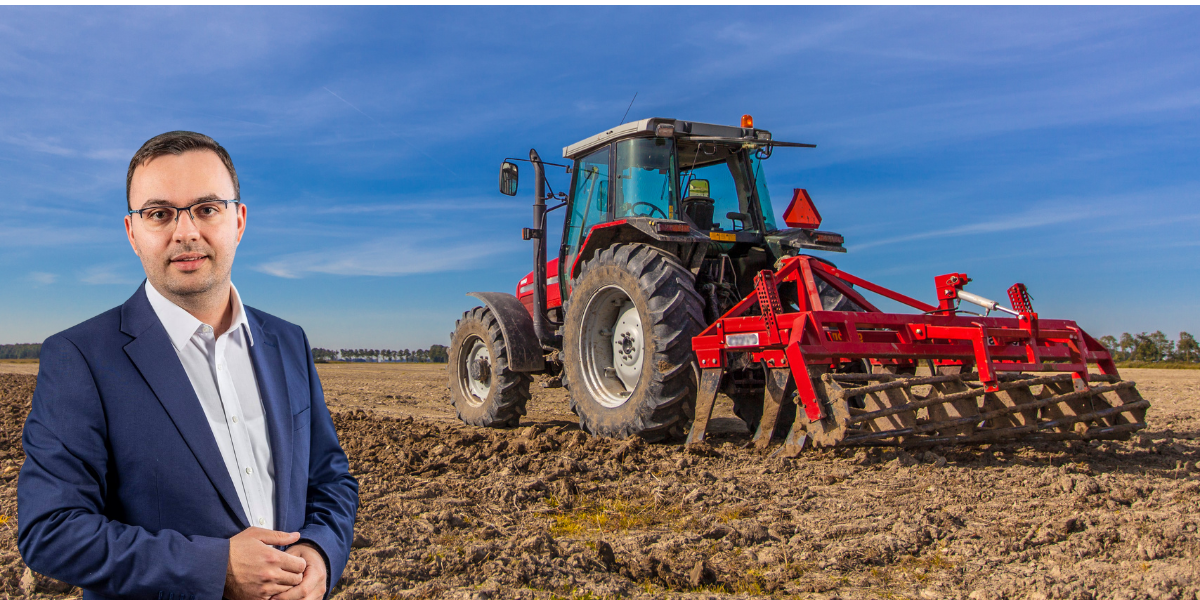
(725, 176)
(645, 178)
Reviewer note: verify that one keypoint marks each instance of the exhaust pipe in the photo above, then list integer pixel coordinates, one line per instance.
(540, 325)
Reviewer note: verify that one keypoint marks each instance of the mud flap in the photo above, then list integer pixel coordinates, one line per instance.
(524, 349)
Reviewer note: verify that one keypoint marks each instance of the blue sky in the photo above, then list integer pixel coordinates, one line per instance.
(1058, 147)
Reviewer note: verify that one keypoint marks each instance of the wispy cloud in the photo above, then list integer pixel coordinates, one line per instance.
(106, 275)
(1040, 217)
(35, 236)
(42, 278)
(387, 257)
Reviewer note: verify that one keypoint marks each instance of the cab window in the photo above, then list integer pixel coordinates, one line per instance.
(729, 184)
(589, 202)
(764, 196)
(645, 178)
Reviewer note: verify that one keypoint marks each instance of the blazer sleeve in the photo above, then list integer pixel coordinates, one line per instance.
(62, 528)
(332, 498)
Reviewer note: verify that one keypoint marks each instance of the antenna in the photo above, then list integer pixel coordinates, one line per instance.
(627, 108)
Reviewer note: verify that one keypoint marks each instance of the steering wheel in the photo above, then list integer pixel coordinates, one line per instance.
(653, 208)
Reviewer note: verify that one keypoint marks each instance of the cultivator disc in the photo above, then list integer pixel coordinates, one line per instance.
(885, 409)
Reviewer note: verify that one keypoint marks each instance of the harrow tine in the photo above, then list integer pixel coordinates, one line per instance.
(710, 382)
(795, 442)
(773, 401)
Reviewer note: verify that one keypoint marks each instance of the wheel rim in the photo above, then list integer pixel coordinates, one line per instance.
(475, 388)
(612, 345)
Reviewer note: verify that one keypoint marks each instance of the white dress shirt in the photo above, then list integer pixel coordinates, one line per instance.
(223, 377)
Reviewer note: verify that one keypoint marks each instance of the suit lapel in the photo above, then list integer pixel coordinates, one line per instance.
(272, 388)
(155, 358)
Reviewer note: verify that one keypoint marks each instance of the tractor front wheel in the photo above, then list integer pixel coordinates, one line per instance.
(483, 390)
(627, 343)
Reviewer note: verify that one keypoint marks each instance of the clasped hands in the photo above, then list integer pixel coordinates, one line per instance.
(257, 571)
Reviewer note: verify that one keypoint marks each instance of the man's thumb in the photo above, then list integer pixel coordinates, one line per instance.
(277, 538)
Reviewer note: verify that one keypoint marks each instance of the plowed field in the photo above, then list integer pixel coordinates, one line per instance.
(545, 511)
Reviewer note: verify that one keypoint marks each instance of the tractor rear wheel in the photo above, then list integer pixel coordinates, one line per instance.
(483, 390)
(627, 343)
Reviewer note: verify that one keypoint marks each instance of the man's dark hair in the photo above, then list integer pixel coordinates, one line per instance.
(178, 142)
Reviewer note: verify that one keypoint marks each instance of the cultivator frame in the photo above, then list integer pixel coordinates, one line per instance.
(991, 378)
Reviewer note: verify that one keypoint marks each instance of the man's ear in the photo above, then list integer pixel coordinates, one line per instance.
(241, 221)
(129, 234)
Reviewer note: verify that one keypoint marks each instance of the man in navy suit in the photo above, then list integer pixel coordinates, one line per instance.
(179, 446)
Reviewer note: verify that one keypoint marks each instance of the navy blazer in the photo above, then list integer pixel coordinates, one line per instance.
(124, 492)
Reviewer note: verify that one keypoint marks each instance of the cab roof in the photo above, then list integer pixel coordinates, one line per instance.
(690, 129)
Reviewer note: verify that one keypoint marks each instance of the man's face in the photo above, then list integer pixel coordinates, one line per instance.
(188, 257)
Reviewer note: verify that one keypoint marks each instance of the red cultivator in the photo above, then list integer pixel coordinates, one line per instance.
(854, 374)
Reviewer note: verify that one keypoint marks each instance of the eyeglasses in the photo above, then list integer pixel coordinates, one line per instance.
(203, 213)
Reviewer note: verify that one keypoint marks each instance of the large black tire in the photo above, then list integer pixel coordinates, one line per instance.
(669, 313)
(496, 396)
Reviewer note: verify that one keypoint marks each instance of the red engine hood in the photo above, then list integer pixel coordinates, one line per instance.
(553, 297)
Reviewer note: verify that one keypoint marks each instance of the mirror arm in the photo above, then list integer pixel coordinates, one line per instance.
(542, 162)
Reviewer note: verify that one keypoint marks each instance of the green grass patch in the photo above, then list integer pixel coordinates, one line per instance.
(592, 514)
(580, 595)
(732, 514)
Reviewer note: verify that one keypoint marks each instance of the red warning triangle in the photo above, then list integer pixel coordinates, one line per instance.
(802, 212)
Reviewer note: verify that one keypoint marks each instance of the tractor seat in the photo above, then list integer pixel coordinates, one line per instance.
(697, 205)
(700, 210)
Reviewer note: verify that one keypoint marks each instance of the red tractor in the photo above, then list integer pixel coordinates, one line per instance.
(673, 282)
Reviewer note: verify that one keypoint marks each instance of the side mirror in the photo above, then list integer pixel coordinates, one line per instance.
(508, 179)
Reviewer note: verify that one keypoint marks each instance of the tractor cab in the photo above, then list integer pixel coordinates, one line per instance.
(707, 176)
(651, 180)
(696, 190)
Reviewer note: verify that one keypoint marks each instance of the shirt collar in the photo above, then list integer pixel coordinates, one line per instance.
(181, 325)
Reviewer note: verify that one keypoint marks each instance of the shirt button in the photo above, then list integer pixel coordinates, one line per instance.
(220, 367)
(235, 419)
(262, 521)
(247, 470)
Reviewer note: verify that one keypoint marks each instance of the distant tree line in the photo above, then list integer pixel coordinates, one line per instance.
(20, 350)
(435, 354)
(1153, 347)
